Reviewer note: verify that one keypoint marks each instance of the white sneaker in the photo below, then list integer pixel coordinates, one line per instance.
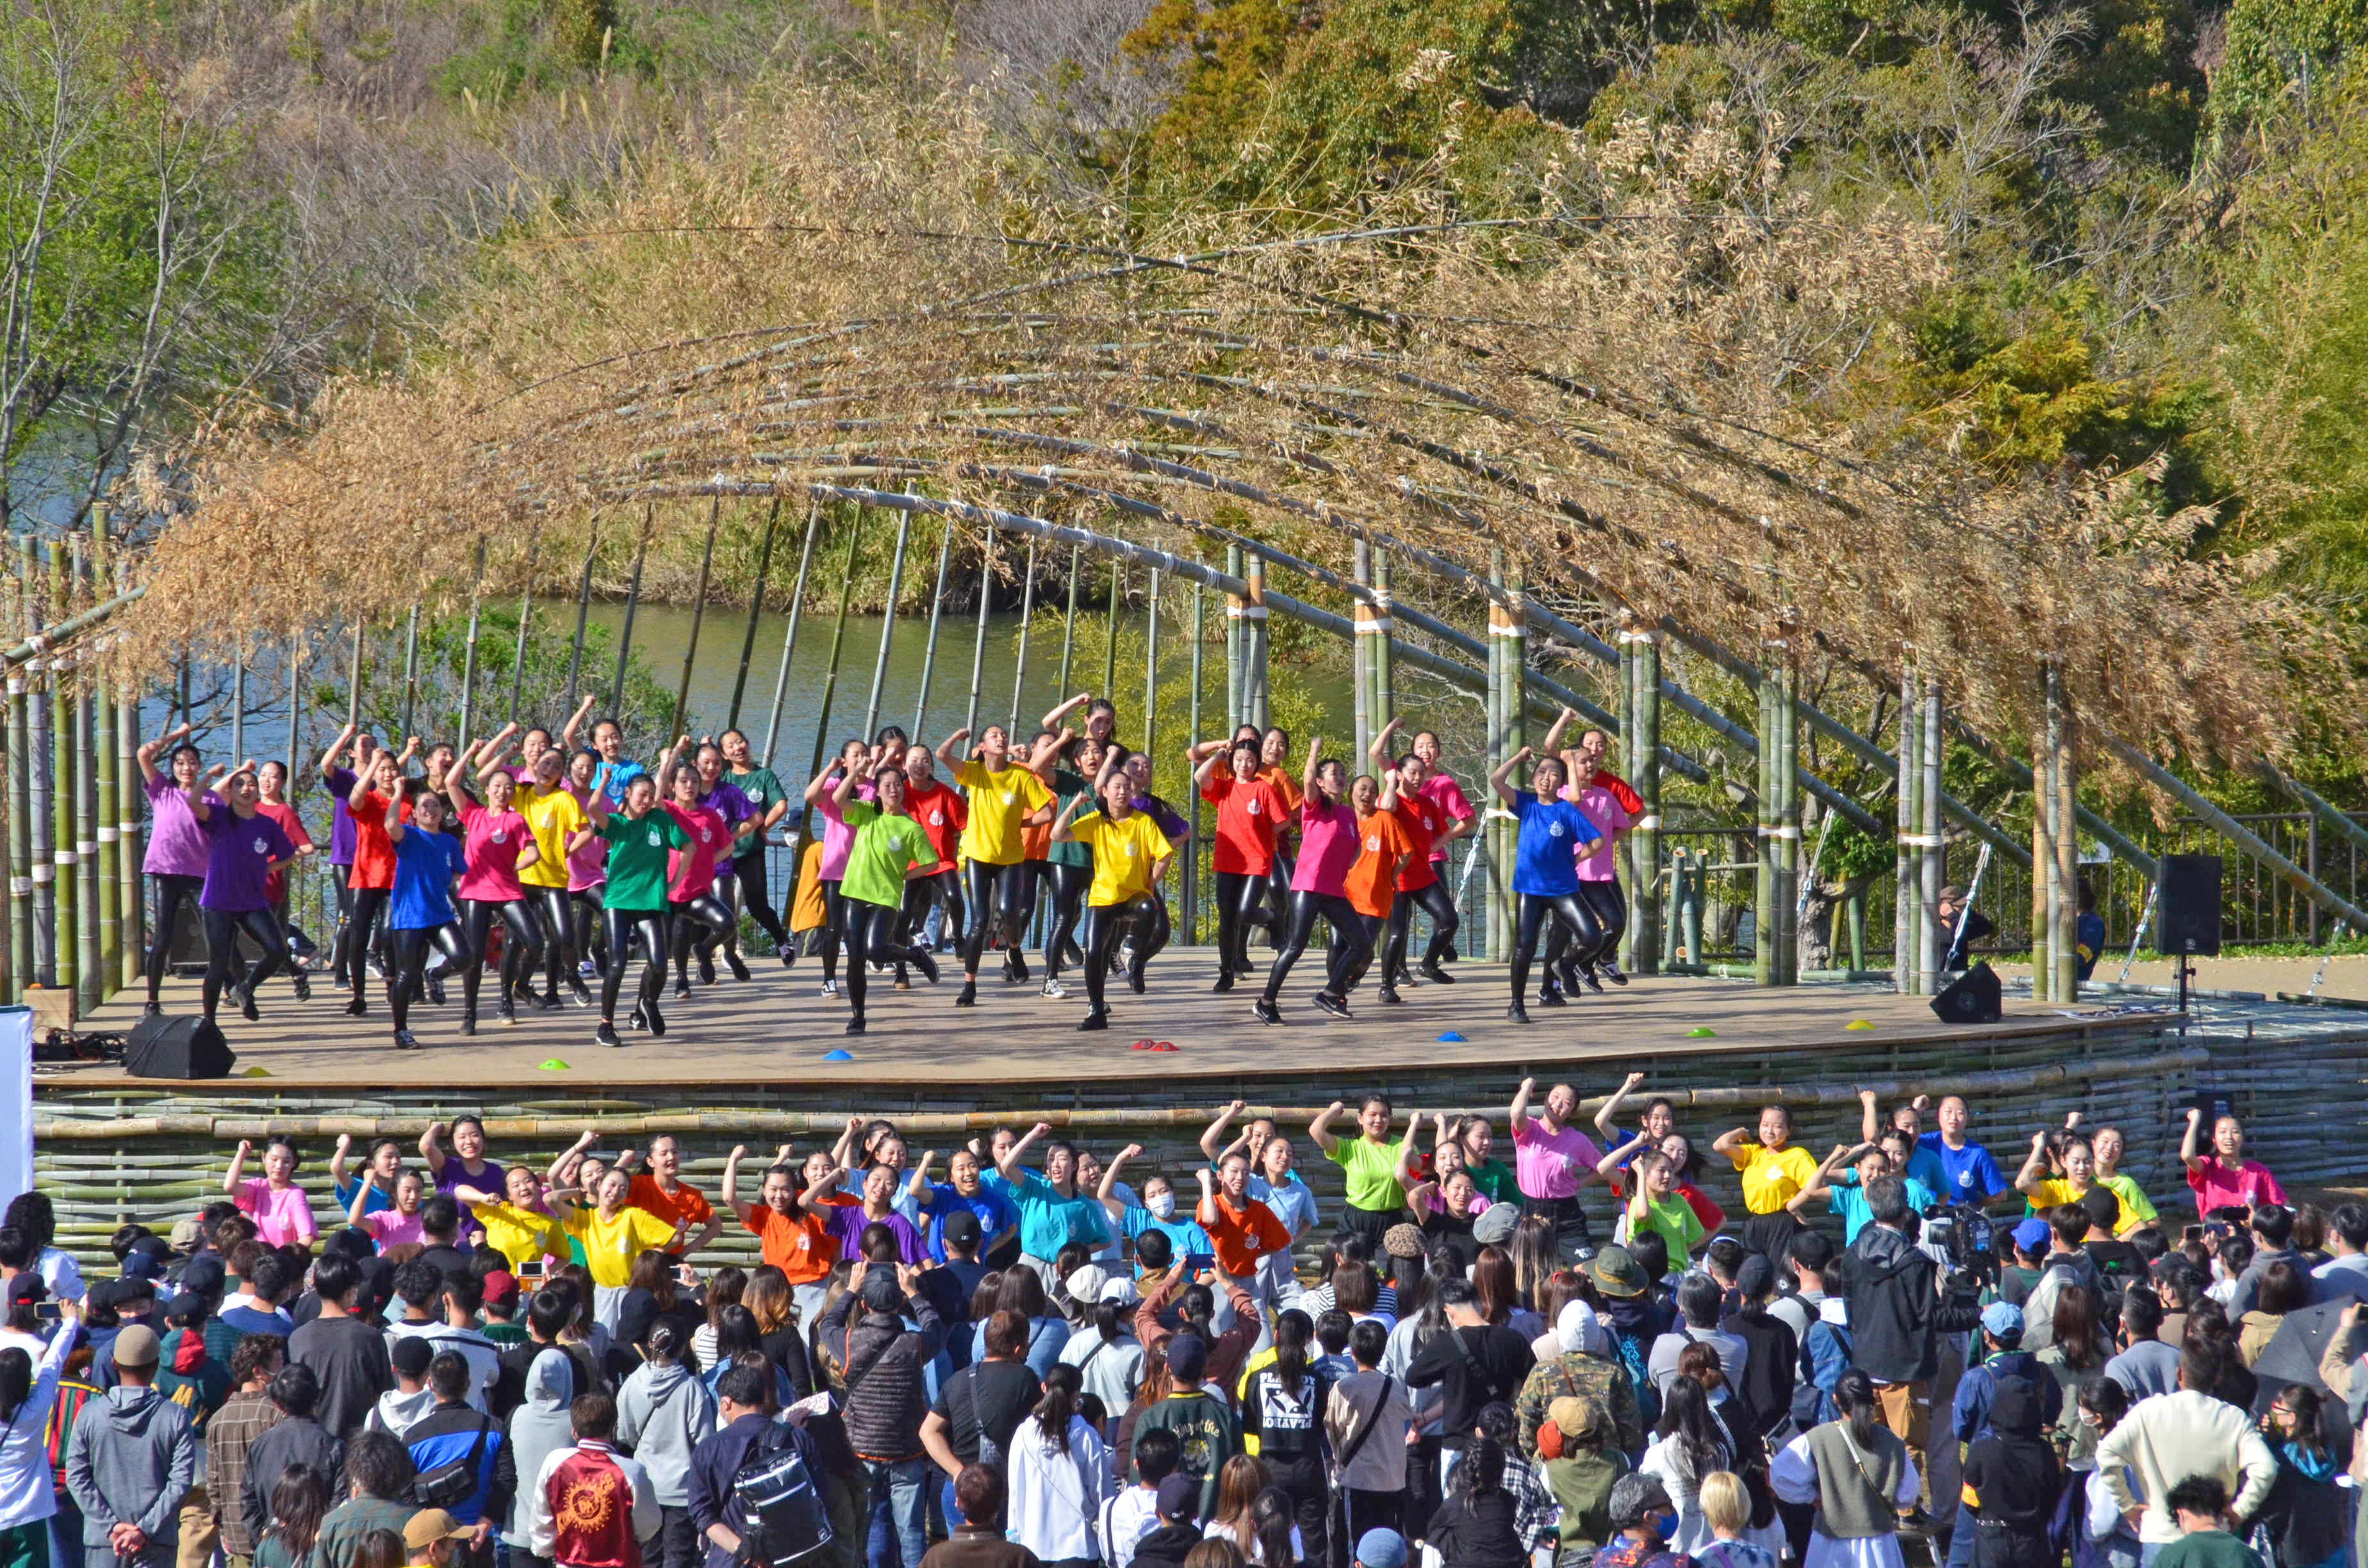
(1053, 988)
(830, 987)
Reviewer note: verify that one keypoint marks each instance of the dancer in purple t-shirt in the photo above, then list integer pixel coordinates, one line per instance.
(242, 846)
(178, 847)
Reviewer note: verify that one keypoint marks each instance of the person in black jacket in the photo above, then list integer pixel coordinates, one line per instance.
(1765, 1389)
(1180, 1524)
(294, 1438)
(2015, 1478)
(745, 1428)
(1899, 1312)
(1474, 1363)
(1477, 1525)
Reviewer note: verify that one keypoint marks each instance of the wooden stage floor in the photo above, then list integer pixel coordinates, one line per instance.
(777, 1029)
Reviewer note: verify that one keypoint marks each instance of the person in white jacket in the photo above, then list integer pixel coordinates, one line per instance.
(2165, 1440)
(1059, 1473)
(28, 1490)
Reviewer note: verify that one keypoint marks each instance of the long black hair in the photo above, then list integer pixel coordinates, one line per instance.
(16, 1382)
(1293, 1330)
(1697, 1439)
(1058, 1407)
(1854, 1397)
(1109, 1318)
(299, 1499)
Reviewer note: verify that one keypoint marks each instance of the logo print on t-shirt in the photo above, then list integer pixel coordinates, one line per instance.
(261, 847)
(1252, 807)
(1556, 830)
(937, 819)
(1373, 845)
(653, 838)
(500, 836)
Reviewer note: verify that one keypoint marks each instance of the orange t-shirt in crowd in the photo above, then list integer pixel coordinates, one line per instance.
(683, 1205)
(1284, 785)
(1241, 1236)
(1372, 882)
(795, 1244)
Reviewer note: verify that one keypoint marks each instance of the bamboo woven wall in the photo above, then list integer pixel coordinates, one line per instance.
(122, 1152)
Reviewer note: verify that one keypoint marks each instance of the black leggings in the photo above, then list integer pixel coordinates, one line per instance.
(521, 944)
(591, 931)
(749, 876)
(1432, 898)
(939, 887)
(873, 934)
(222, 926)
(1069, 883)
(1602, 901)
(1351, 946)
(834, 927)
(1241, 904)
(706, 910)
(560, 950)
(1354, 971)
(411, 944)
(171, 891)
(996, 892)
(370, 908)
(1144, 915)
(1278, 886)
(620, 926)
(340, 875)
(1534, 911)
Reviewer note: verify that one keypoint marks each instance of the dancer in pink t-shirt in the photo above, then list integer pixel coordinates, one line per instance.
(1319, 888)
(2223, 1178)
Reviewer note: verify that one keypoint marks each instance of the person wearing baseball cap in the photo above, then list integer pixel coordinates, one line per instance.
(129, 1462)
(428, 1540)
(1179, 1506)
(2002, 1356)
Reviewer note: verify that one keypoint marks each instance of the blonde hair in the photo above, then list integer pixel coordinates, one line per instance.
(1724, 1502)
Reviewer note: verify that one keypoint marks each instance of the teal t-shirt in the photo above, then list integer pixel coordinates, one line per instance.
(637, 858)
(1049, 1222)
(883, 846)
(1066, 787)
(1848, 1198)
(764, 790)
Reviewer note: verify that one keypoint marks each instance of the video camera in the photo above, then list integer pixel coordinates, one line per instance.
(1963, 1232)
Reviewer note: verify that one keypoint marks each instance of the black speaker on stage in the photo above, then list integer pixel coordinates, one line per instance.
(1974, 998)
(2186, 914)
(166, 1046)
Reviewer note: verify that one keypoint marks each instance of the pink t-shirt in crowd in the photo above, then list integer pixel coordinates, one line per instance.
(282, 1217)
(393, 1228)
(2217, 1186)
(691, 871)
(1549, 1164)
(587, 867)
(1327, 848)
(838, 838)
(1441, 790)
(491, 844)
(1604, 809)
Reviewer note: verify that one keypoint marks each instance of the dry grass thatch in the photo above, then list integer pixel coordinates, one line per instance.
(1660, 404)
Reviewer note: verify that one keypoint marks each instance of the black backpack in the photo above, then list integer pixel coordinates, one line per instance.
(785, 1520)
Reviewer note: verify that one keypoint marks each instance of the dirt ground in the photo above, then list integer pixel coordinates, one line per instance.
(2347, 975)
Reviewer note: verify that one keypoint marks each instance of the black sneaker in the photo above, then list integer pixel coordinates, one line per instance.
(156, 1010)
(855, 1024)
(969, 997)
(1015, 968)
(656, 1020)
(731, 962)
(706, 970)
(509, 1012)
(1550, 996)
(1095, 1019)
(403, 1041)
(1611, 971)
(1587, 974)
(789, 954)
(607, 1034)
(246, 1008)
(682, 990)
(1436, 975)
(1518, 1013)
(638, 1020)
(436, 991)
(1390, 996)
(468, 1020)
(1336, 1005)
(1225, 983)
(354, 1010)
(581, 992)
(926, 964)
(1268, 1013)
(1073, 956)
(303, 986)
(1135, 969)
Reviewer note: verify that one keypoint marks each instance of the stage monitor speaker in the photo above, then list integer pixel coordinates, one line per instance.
(2187, 913)
(167, 1047)
(1974, 998)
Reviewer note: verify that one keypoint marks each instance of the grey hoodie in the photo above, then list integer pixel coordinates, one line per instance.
(131, 1461)
(397, 1411)
(538, 1428)
(663, 1413)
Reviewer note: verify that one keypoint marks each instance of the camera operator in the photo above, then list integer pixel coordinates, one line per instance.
(1899, 1308)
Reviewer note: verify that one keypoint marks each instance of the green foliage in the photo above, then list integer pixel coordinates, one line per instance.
(2284, 56)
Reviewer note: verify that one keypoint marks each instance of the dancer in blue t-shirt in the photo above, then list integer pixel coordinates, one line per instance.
(1553, 835)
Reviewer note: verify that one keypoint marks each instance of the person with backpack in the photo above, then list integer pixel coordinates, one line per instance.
(1366, 1419)
(593, 1506)
(2015, 1479)
(748, 1443)
(879, 1366)
(1583, 1369)
(1632, 1317)
(461, 1456)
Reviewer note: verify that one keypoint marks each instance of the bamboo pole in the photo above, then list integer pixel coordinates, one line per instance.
(632, 605)
(1906, 805)
(583, 615)
(698, 617)
(85, 798)
(2063, 953)
(837, 648)
(106, 807)
(1237, 609)
(468, 648)
(1253, 644)
(130, 836)
(410, 679)
(64, 798)
(1361, 677)
(756, 610)
(1788, 909)
(1109, 647)
(238, 701)
(354, 679)
(1931, 936)
(1192, 855)
(2042, 854)
(40, 775)
(1069, 622)
(1151, 672)
(1027, 616)
(1499, 893)
(789, 636)
(978, 641)
(887, 625)
(1384, 703)
(1644, 757)
(1765, 894)
(937, 616)
(526, 616)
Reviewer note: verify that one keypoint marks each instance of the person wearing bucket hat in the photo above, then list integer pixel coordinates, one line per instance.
(129, 1462)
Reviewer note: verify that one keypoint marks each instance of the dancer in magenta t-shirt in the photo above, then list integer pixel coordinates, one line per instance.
(2224, 1177)
(1434, 814)
(497, 843)
(696, 914)
(1327, 848)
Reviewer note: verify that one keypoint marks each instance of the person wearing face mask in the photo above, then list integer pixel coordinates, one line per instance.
(1158, 1211)
(1642, 1519)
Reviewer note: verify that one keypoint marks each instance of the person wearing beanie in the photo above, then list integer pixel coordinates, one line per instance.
(1207, 1431)
(1764, 1387)
(1380, 1548)
(129, 1462)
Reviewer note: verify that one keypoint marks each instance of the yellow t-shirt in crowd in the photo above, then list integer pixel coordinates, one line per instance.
(552, 816)
(1772, 1177)
(521, 1235)
(2055, 1191)
(1124, 853)
(610, 1246)
(997, 803)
